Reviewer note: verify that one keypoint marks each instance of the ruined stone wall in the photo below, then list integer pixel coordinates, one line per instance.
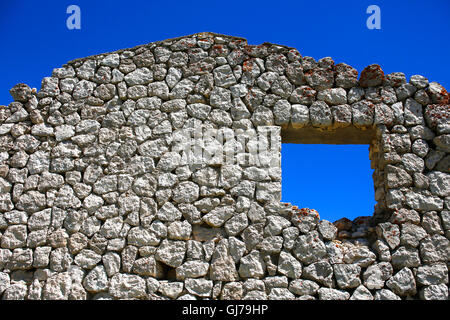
(98, 202)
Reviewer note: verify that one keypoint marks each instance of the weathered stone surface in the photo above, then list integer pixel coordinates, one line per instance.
(434, 292)
(385, 294)
(434, 249)
(171, 252)
(321, 272)
(127, 286)
(309, 248)
(252, 265)
(371, 76)
(375, 275)
(15, 236)
(218, 216)
(332, 294)
(96, 280)
(432, 274)
(402, 283)
(405, 257)
(289, 266)
(363, 113)
(222, 264)
(57, 287)
(320, 114)
(192, 269)
(347, 275)
(112, 183)
(361, 293)
(232, 291)
(390, 233)
(199, 287)
(334, 96)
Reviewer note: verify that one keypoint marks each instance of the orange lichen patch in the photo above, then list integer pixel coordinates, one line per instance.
(295, 53)
(255, 50)
(303, 212)
(437, 112)
(247, 65)
(445, 97)
(442, 97)
(372, 75)
(348, 70)
(217, 49)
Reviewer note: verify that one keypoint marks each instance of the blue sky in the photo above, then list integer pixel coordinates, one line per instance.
(414, 39)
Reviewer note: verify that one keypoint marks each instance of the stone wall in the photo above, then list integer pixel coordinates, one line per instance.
(97, 202)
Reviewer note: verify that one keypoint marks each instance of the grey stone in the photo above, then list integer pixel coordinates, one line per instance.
(236, 224)
(439, 183)
(87, 259)
(423, 202)
(15, 236)
(327, 230)
(361, 293)
(138, 77)
(280, 294)
(435, 248)
(434, 292)
(199, 287)
(96, 280)
(309, 248)
(127, 286)
(333, 96)
(275, 225)
(252, 265)
(192, 269)
(178, 230)
(375, 275)
(289, 266)
(321, 272)
(186, 191)
(361, 256)
(223, 76)
(222, 263)
(402, 283)
(385, 294)
(139, 237)
(171, 289)
(363, 113)
(432, 274)
(320, 114)
(390, 233)
(411, 234)
(303, 287)
(432, 223)
(232, 291)
(57, 287)
(332, 294)
(218, 216)
(347, 275)
(4, 281)
(171, 252)
(405, 257)
(148, 266)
